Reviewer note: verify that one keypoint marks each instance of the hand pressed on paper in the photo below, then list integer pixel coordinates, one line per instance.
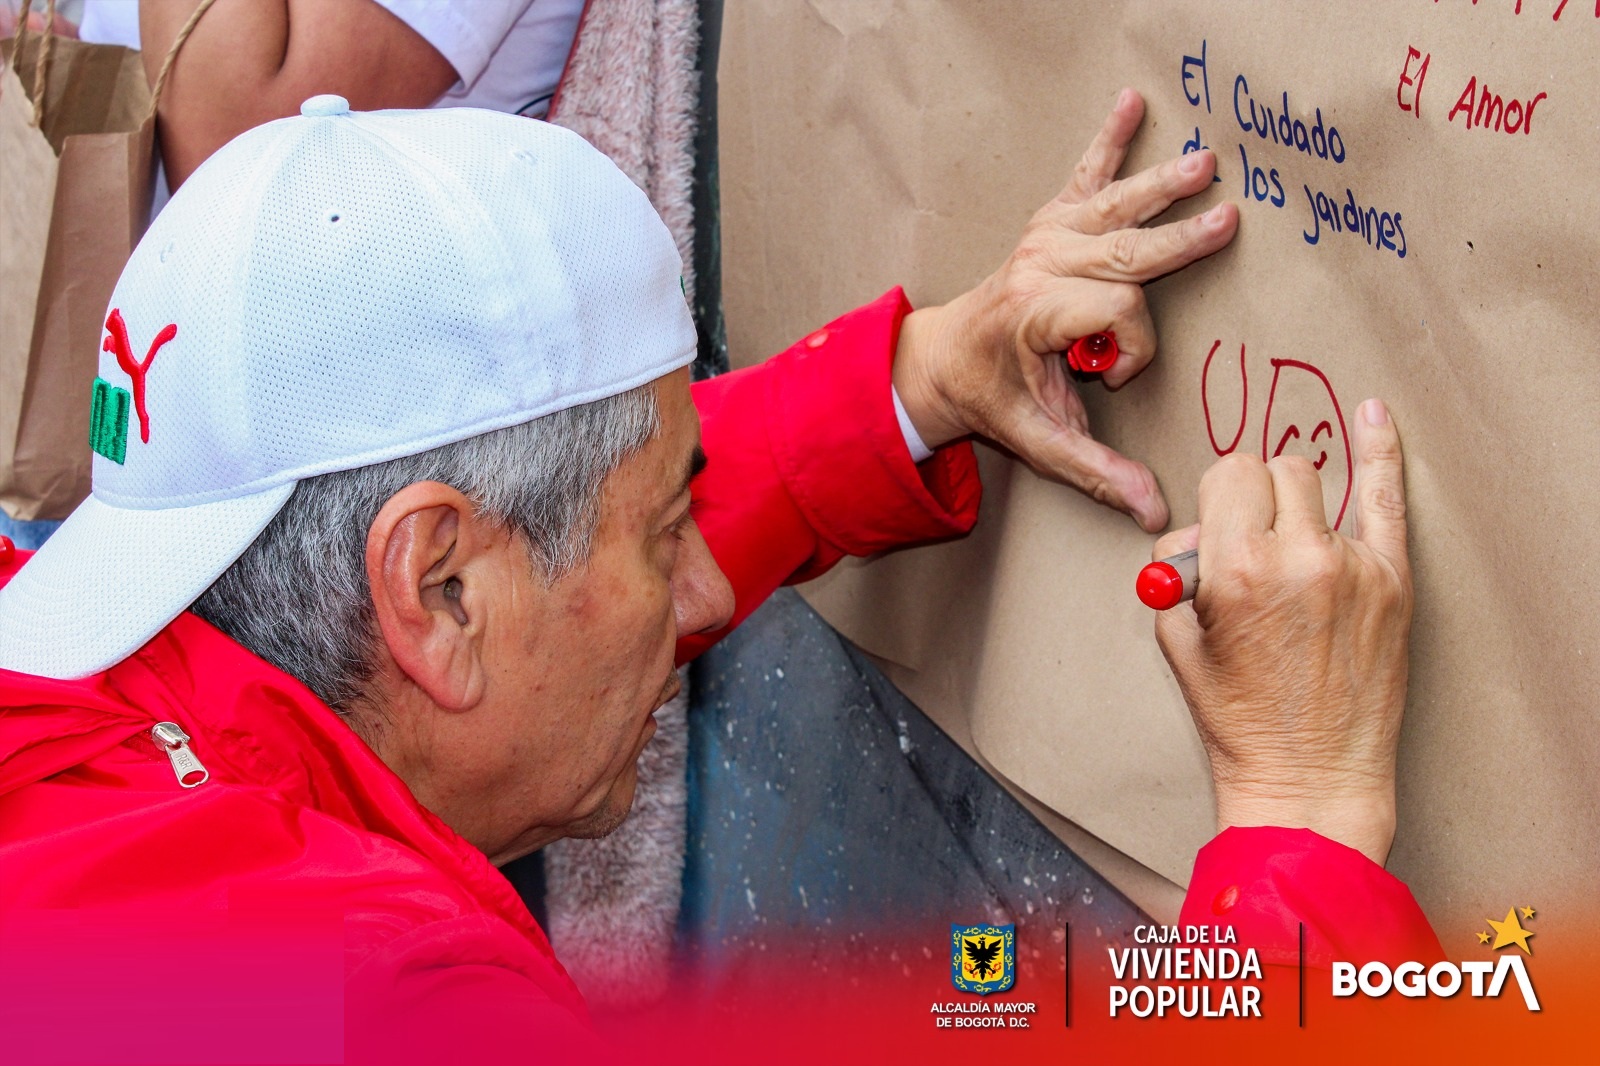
(989, 361)
(1293, 657)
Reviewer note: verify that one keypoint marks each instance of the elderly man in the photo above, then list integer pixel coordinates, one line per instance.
(398, 402)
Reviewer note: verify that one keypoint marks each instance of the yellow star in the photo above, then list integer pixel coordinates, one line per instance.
(1510, 932)
(1483, 938)
(1527, 912)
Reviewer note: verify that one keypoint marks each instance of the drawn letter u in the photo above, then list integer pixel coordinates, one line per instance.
(1205, 400)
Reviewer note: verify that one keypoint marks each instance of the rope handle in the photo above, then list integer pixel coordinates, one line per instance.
(41, 72)
(172, 54)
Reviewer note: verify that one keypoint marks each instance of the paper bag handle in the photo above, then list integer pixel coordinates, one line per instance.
(41, 71)
(172, 53)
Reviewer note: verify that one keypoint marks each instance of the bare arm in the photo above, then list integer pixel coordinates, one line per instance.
(251, 61)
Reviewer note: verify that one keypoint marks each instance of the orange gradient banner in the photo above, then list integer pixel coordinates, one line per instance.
(892, 1001)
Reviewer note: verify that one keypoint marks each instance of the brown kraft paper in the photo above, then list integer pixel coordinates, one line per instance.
(1419, 222)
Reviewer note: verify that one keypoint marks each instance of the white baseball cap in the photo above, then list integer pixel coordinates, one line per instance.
(326, 292)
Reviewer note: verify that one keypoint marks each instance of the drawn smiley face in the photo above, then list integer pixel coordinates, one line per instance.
(1304, 418)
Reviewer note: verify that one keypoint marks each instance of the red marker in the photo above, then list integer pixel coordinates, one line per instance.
(8, 551)
(1165, 584)
(1093, 354)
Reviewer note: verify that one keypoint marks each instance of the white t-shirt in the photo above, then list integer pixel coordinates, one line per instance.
(509, 54)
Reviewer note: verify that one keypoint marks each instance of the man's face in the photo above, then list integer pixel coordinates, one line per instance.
(577, 674)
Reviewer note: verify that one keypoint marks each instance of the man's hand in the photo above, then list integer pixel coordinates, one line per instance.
(989, 361)
(1293, 660)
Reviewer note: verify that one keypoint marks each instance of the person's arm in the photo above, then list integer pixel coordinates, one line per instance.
(252, 61)
(806, 463)
(1266, 882)
(1293, 662)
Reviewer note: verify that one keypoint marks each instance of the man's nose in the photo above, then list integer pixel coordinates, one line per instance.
(701, 595)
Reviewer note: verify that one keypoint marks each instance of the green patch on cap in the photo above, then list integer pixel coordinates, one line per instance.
(108, 421)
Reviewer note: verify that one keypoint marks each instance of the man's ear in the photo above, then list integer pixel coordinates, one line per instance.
(430, 566)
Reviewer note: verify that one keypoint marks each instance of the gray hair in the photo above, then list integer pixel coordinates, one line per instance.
(298, 597)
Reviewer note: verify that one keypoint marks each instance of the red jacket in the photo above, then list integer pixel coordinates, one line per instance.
(301, 895)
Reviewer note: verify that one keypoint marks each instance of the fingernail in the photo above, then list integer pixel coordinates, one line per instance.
(1190, 164)
(1213, 217)
(1373, 413)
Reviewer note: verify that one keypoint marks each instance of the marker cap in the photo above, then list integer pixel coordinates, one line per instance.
(1160, 586)
(1093, 354)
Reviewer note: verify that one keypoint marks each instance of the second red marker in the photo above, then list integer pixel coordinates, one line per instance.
(1093, 354)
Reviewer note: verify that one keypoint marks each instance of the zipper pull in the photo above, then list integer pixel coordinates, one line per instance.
(174, 742)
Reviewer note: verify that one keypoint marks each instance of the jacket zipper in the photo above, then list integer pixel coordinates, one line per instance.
(174, 742)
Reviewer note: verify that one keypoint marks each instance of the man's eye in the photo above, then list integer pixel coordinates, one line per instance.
(678, 530)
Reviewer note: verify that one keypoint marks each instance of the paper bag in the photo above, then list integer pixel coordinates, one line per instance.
(1419, 222)
(74, 199)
